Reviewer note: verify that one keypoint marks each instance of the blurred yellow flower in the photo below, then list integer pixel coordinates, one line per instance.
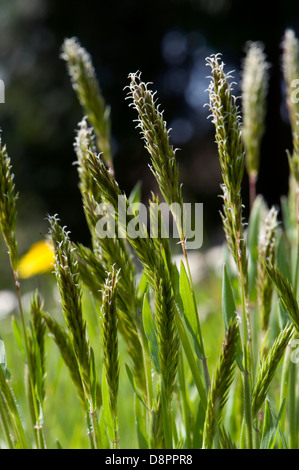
(39, 259)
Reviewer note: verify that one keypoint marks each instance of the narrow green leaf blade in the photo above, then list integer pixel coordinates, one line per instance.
(135, 388)
(140, 418)
(229, 312)
(135, 195)
(3, 360)
(228, 301)
(198, 427)
(190, 311)
(271, 427)
(283, 258)
(191, 359)
(93, 380)
(18, 337)
(252, 243)
(38, 369)
(277, 427)
(58, 444)
(103, 430)
(142, 286)
(150, 332)
(108, 417)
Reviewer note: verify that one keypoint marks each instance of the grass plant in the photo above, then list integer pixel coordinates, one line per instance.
(121, 355)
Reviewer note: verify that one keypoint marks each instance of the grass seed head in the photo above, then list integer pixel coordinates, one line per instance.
(156, 137)
(254, 87)
(226, 118)
(266, 249)
(86, 86)
(290, 67)
(8, 210)
(109, 320)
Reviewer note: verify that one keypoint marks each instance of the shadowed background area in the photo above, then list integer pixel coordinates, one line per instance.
(168, 42)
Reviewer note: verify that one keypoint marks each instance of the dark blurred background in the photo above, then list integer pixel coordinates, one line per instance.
(168, 41)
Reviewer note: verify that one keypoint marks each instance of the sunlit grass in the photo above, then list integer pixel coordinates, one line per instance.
(126, 345)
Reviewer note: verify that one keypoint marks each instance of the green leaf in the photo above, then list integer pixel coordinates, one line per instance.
(18, 338)
(93, 380)
(228, 301)
(198, 427)
(191, 359)
(252, 243)
(38, 368)
(150, 332)
(175, 279)
(285, 291)
(142, 286)
(135, 388)
(103, 430)
(3, 361)
(229, 312)
(286, 216)
(284, 317)
(135, 195)
(283, 257)
(271, 427)
(232, 274)
(58, 445)
(108, 417)
(267, 428)
(190, 311)
(278, 428)
(9, 399)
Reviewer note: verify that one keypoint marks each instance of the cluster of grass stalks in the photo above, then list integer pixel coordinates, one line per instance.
(247, 399)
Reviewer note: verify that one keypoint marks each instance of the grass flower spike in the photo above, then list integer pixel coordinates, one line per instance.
(290, 67)
(254, 91)
(164, 166)
(89, 94)
(156, 138)
(285, 291)
(84, 141)
(66, 349)
(8, 210)
(226, 118)
(109, 320)
(266, 248)
(67, 274)
(37, 340)
(268, 368)
(220, 385)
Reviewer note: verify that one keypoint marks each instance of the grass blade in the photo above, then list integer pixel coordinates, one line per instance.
(190, 311)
